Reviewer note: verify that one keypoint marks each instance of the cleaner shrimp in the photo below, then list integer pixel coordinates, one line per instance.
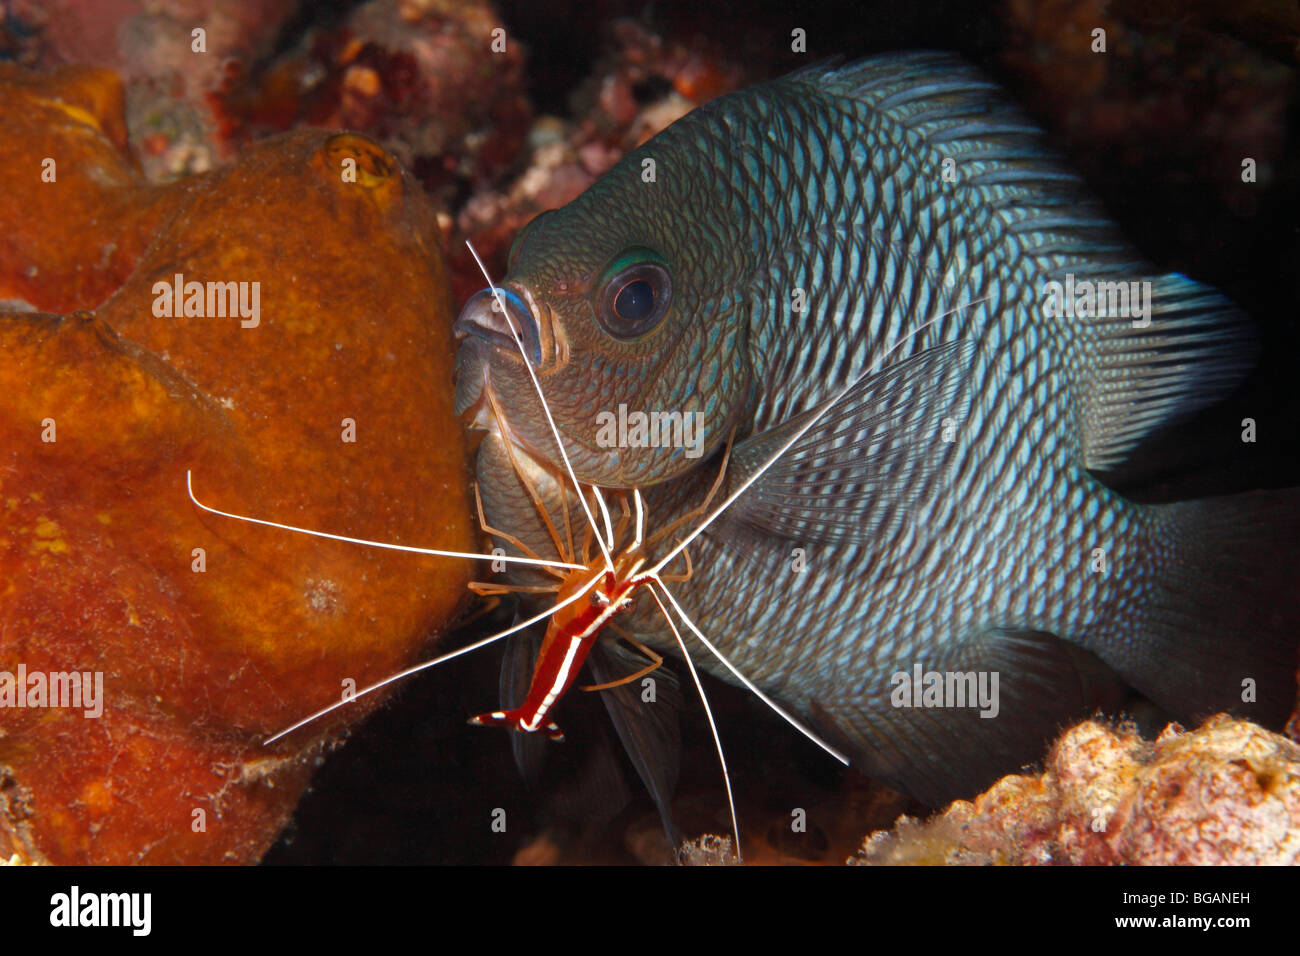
(591, 591)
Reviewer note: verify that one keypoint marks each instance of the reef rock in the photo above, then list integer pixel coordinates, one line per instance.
(175, 56)
(1226, 793)
(440, 83)
(642, 83)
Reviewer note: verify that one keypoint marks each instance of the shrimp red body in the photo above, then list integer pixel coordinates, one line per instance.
(570, 635)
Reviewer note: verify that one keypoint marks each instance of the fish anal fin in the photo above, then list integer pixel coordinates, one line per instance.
(928, 738)
(1209, 621)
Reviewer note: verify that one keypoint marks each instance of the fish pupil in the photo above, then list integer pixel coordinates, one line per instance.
(635, 295)
(635, 301)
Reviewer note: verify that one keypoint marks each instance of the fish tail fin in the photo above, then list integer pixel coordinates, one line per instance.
(1216, 625)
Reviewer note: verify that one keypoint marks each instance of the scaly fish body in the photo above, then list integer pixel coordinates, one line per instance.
(752, 260)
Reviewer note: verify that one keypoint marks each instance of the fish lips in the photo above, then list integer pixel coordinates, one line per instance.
(490, 315)
(486, 329)
(471, 375)
(487, 371)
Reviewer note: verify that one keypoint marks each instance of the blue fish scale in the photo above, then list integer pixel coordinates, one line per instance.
(1007, 537)
(809, 225)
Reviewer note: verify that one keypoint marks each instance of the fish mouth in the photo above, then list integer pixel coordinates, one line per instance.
(494, 315)
(483, 411)
(484, 331)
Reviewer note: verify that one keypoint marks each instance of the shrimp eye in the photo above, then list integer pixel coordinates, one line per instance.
(634, 299)
(599, 599)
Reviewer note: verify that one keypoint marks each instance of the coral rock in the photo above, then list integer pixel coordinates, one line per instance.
(641, 84)
(174, 55)
(1227, 793)
(438, 83)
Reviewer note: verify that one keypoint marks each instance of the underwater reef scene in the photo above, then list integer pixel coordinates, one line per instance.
(1002, 577)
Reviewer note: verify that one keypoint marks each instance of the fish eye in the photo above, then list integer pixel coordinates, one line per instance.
(634, 299)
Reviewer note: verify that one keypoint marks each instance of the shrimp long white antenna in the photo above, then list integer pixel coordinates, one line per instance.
(708, 712)
(807, 426)
(416, 668)
(640, 518)
(604, 514)
(749, 684)
(189, 487)
(555, 432)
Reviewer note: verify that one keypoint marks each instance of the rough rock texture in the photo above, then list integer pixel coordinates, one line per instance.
(708, 850)
(207, 634)
(1176, 102)
(1226, 793)
(174, 56)
(440, 83)
(641, 84)
(1168, 112)
(420, 76)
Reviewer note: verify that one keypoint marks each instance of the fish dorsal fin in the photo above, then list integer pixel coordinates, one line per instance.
(862, 468)
(1000, 162)
(1191, 349)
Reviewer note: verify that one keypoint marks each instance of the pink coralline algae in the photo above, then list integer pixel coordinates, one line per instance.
(1226, 793)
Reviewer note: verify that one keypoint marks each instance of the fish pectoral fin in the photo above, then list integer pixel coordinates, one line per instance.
(521, 650)
(942, 727)
(646, 723)
(865, 467)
